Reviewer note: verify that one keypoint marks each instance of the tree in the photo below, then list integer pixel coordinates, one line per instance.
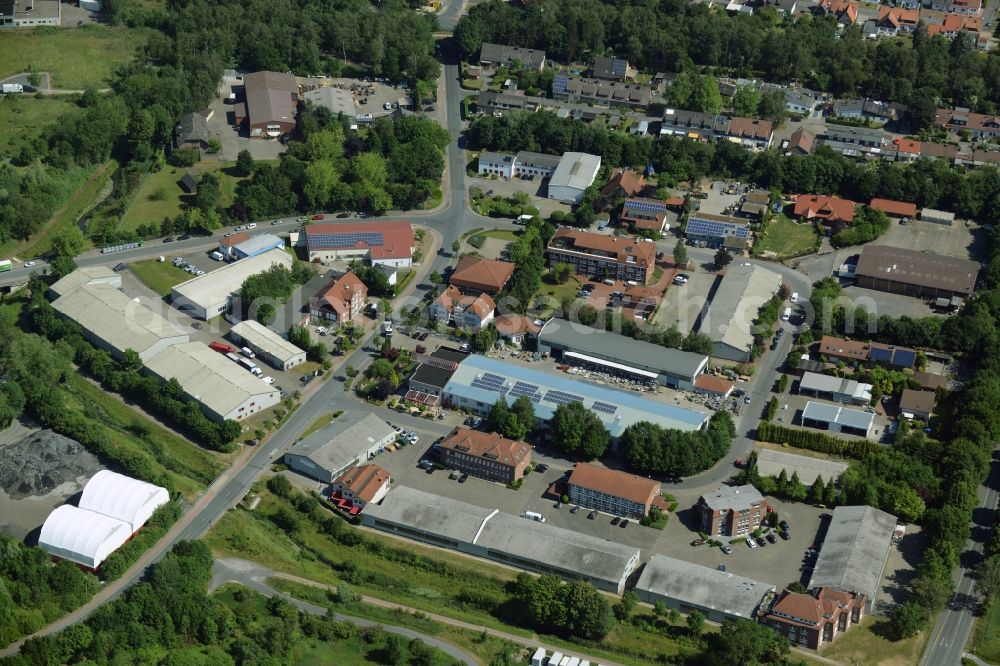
(578, 430)
(34, 78)
(68, 242)
(746, 101)
(816, 490)
(436, 280)
(906, 620)
(698, 343)
(774, 106)
(723, 257)
(626, 606)
(706, 97)
(680, 254)
(745, 643)
(62, 266)
(696, 622)
(830, 494)
(209, 194)
(524, 410)
(486, 338)
(456, 247)
(244, 163)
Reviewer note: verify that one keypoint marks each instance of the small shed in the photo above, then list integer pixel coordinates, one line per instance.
(189, 183)
(937, 216)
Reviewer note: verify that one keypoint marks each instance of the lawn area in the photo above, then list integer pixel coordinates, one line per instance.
(555, 293)
(986, 640)
(161, 194)
(22, 117)
(161, 277)
(786, 238)
(321, 422)
(76, 58)
(865, 647)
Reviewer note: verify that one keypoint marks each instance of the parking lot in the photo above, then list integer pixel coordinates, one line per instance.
(721, 195)
(683, 304)
(222, 126)
(537, 189)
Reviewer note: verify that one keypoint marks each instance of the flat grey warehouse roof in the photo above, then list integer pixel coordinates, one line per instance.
(264, 338)
(855, 549)
(432, 514)
(335, 446)
(701, 586)
(604, 344)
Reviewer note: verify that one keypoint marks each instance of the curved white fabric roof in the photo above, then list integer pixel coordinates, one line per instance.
(82, 536)
(122, 497)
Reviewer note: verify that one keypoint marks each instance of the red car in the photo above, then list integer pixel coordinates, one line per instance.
(318, 216)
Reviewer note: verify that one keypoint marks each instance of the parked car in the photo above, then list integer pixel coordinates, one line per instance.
(592, 514)
(727, 549)
(761, 542)
(252, 225)
(120, 267)
(783, 524)
(784, 536)
(615, 520)
(541, 467)
(698, 542)
(463, 478)
(771, 538)
(318, 217)
(168, 239)
(443, 414)
(751, 543)
(575, 509)
(623, 524)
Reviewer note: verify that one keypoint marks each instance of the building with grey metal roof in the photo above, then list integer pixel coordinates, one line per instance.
(352, 438)
(192, 132)
(912, 273)
(854, 552)
(82, 276)
(730, 317)
(225, 390)
(258, 244)
(837, 389)
(337, 100)
(209, 295)
(114, 322)
(771, 462)
(686, 586)
(501, 54)
(837, 419)
(267, 344)
(576, 342)
(575, 173)
(489, 533)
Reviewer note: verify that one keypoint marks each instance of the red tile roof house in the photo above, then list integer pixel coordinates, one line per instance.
(342, 301)
(849, 350)
(469, 312)
(488, 456)
(475, 274)
(845, 11)
(807, 620)
(835, 212)
(385, 242)
(624, 182)
(893, 20)
(979, 124)
(365, 484)
(646, 214)
(515, 327)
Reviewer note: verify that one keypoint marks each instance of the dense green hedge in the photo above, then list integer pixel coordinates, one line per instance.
(814, 441)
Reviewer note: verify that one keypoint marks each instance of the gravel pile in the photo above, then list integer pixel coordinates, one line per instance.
(42, 461)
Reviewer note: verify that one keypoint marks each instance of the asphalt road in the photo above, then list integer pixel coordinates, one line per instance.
(954, 624)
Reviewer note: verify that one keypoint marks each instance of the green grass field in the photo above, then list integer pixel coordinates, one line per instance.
(786, 238)
(76, 59)
(160, 277)
(986, 642)
(22, 117)
(864, 646)
(161, 194)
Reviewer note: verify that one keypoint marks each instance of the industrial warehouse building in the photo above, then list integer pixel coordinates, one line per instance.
(855, 551)
(250, 246)
(576, 344)
(575, 173)
(912, 273)
(352, 438)
(730, 316)
(836, 389)
(480, 381)
(384, 242)
(687, 587)
(114, 322)
(267, 344)
(112, 508)
(225, 389)
(271, 100)
(209, 295)
(837, 419)
(85, 276)
(515, 541)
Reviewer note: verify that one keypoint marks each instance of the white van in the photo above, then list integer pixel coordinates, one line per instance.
(523, 219)
(795, 297)
(787, 315)
(531, 515)
(217, 255)
(246, 351)
(256, 371)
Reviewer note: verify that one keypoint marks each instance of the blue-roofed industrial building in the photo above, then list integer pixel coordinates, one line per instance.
(718, 230)
(258, 244)
(480, 381)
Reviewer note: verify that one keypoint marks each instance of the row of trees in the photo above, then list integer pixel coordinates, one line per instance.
(932, 183)
(650, 448)
(528, 254)
(680, 37)
(568, 609)
(813, 440)
(513, 421)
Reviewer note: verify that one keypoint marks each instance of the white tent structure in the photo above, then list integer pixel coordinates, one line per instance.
(122, 497)
(82, 536)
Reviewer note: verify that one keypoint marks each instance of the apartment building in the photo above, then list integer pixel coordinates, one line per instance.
(615, 257)
(610, 491)
(488, 456)
(732, 511)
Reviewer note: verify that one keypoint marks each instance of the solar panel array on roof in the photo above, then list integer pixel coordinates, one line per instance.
(904, 358)
(559, 84)
(702, 227)
(369, 238)
(646, 206)
(489, 382)
(524, 388)
(605, 407)
(562, 398)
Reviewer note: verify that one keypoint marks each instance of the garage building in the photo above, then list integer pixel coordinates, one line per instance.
(730, 316)
(255, 245)
(502, 537)
(576, 344)
(575, 173)
(337, 100)
(209, 295)
(267, 344)
(271, 102)
(224, 389)
(837, 419)
(685, 586)
(352, 438)
(84, 276)
(912, 273)
(854, 552)
(836, 389)
(114, 322)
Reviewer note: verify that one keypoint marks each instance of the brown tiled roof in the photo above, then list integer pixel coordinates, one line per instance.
(628, 181)
(920, 401)
(897, 208)
(486, 445)
(235, 239)
(908, 146)
(824, 207)
(897, 16)
(923, 269)
(750, 128)
(929, 149)
(713, 384)
(617, 247)
(800, 605)
(482, 305)
(515, 324)
(364, 481)
(946, 117)
(929, 381)
(482, 274)
(340, 292)
(611, 482)
(802, 139)
(842, 348)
